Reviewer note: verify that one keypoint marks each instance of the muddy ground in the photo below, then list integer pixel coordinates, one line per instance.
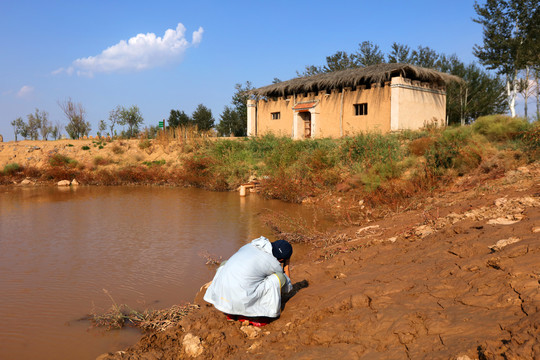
(456, 279)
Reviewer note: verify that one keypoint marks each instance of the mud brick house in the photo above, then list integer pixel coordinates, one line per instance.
(383, 98)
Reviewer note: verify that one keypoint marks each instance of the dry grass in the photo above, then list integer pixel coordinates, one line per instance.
(211, 259)
(122, 315)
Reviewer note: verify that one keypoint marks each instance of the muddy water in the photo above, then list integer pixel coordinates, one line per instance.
(60, 248)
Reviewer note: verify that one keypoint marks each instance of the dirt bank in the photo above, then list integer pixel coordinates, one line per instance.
(458, 278)
(116, 153)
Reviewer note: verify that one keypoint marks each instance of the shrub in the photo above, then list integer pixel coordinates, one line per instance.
(531, 142)
(369, 149)
(145, 144)
(61, 160)
(500, 127)
(456, 148)
(99, 160)
(11, 169)
(154, 163)
(86, 147)
(420, 146)
(117, 150)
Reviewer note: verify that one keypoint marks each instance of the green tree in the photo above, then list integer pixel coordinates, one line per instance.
(101, 128)
(231, 123)
(132, 118)
(45, 127)
(510, 42)
(202, 118)
(35, 122)
(340, 61)
(368, 54)
(424, 56)
(233, 120)
(19, 127)
(480, 94)
(114, 118)
(400, 54)
(76, 114)
(179, 118)
(55, 132)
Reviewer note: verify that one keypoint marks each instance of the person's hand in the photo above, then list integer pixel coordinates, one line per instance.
(286, 268)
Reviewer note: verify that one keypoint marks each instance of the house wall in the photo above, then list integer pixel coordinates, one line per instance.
(416, 104)
(400, 104)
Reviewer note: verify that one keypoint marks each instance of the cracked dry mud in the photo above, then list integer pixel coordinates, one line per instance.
(425, 284)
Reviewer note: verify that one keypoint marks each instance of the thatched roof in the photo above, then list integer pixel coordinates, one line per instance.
(354, 77)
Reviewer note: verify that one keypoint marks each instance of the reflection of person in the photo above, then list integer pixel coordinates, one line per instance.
(250, 283)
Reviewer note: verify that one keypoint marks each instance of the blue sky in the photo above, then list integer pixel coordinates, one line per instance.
(163, 55)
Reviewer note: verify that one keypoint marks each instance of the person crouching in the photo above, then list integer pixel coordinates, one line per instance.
(248, 286)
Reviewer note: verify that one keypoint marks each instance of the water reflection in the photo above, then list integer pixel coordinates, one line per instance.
(59, 248)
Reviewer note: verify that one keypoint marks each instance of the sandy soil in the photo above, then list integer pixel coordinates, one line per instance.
(118, 152)
(458, 279)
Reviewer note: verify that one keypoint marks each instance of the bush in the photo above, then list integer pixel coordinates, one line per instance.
(154, 163)
(500, 127)
(145, 144)
(369, 149)
(420, 146)
(531, 142)
(117, 150)
(99, 160)
(11, 169)
(62, 160)
(86, 147)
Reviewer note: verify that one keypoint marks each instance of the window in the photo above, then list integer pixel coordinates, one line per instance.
(360, 109)
(276, 115)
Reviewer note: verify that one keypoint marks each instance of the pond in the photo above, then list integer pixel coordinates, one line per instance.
(65, 253)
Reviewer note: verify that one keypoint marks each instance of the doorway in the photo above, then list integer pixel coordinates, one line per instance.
(306, 117)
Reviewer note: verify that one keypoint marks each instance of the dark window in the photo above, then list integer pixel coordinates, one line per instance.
(276, 115)
(360, 109)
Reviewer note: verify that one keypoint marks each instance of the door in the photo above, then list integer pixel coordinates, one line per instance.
(306, 117)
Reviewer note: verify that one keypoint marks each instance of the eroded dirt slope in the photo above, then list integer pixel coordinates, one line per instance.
(457, 279)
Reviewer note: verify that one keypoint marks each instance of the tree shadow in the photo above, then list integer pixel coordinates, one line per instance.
(296, 288)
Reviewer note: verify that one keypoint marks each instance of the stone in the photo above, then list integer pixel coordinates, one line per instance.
(255, 345)
(64, 183)
(192, 345)
(504, 221)
(26, 182)
(536, 229)
(74, 182)
(251, 331)
(423, 231)
(501, 201)
(504, 242)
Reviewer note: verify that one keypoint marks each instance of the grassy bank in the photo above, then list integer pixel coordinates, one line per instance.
(382, 168)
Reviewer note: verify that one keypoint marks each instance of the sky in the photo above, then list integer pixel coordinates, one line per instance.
(163, 55)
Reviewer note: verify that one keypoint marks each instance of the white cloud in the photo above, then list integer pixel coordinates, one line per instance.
(25, 91)
(141, 52)
(197, 36)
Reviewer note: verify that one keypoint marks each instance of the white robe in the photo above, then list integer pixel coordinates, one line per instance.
(247, 283)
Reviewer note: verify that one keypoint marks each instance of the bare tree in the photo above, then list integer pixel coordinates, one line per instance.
(77, 125)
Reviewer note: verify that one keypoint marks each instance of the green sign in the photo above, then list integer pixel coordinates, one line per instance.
(161, 124)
